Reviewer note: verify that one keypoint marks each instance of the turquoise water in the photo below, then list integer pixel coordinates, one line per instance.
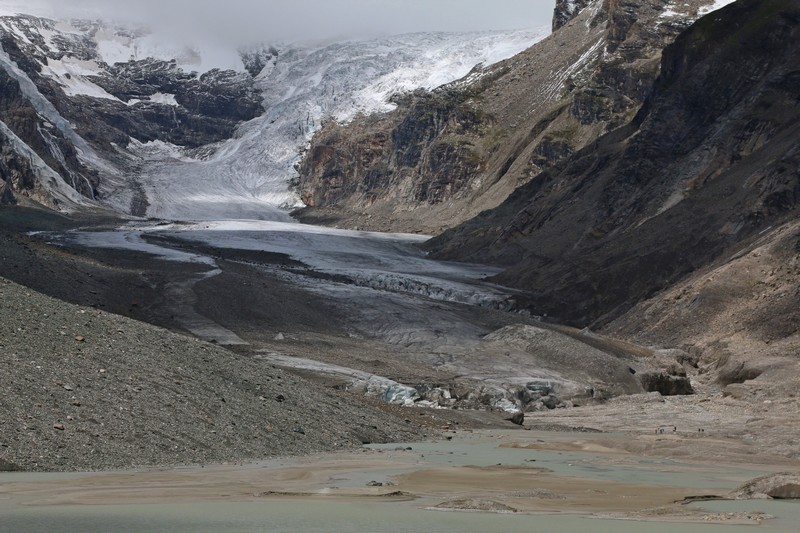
(478, 450)
(317, 514)
(321, 516)
(786, 512)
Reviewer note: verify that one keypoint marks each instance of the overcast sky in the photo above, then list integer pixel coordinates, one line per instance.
(309, 19)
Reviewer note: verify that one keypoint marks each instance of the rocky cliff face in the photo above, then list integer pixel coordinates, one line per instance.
(356, 162)
(20, 165)
(710, 164)
(446, 155)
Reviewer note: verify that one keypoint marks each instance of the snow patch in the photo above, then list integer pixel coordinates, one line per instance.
(71, 75)
(669, 12)
(718, 4)
(552, 90)
(157, 98)
(677, 8)
(594, 10)
(12, 30)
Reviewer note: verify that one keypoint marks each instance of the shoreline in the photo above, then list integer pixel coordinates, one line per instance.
(485, 471)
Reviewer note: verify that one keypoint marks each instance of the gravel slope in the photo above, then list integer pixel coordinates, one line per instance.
(83, 389)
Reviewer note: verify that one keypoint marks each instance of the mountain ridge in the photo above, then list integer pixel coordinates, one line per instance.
(527, 114)
(649, 169)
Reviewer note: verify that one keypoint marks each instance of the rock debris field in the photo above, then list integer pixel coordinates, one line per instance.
(87, 390)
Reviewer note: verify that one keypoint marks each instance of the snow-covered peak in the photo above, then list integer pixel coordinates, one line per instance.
(10, 8)
(111, 43)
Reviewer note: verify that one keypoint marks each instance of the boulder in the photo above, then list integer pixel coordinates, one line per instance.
(517, 418)
(735, 371)
(6, 466)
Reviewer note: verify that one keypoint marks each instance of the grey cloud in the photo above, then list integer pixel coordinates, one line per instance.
(251, 20)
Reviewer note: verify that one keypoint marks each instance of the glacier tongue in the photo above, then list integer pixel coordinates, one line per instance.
(249, 176)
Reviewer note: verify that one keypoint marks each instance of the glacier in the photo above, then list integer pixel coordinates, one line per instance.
(250, 175)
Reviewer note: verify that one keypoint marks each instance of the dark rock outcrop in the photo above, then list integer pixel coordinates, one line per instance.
(7, 194)
(567, 10)
(256, 59)
(385, 162)
(517, 418)
(665, 384)
(710, 161)
(24, 121)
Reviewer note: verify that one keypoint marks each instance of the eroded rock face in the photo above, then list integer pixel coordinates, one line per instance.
(201, 110)
(365, 167)
(732, 372)
(16, 170)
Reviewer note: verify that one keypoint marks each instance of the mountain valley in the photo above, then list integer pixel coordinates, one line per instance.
(588, 231)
